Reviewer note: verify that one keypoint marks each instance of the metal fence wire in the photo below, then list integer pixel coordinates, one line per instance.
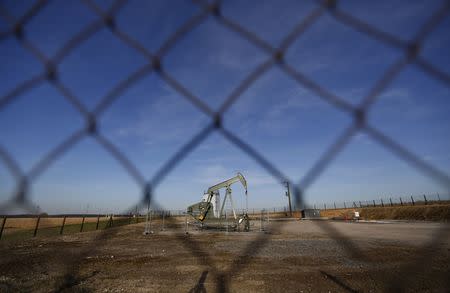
(155, 65)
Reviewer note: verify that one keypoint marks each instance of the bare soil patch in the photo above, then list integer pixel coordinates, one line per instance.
(299, 256)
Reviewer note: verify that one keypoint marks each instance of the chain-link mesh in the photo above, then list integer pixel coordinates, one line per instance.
(155, 65)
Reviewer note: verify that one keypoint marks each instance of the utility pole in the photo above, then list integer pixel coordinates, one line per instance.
(288, 194)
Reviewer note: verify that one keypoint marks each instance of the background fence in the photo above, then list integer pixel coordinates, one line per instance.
(20, 227)
(106, 19)
(386, 201)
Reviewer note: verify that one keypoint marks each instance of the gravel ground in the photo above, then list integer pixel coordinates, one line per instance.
(291, 256)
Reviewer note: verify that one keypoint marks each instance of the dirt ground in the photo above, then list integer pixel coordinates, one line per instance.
(291, 256)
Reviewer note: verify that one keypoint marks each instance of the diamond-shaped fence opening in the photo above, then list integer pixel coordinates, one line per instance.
(154, 114)
(152, 61)
(100, 66)
(345, 54)
(58, 118)
(56, 23)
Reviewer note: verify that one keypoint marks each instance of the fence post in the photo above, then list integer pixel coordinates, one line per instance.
(62, 226)
(401, 202)
(109, 224)
(360, 205)
(345, 205)
(374, 205)
(82, 224)
(3, 226)
(382, 203)
(439, 198)
(226, 221)
(334, 205)
(425, 198)
(151, 218)
(325, 206)
(98, 220)
(37, 225)
(390, 199)
(260, 221)
(412, 200)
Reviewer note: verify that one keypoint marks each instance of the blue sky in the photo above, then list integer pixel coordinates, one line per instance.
(290, 125)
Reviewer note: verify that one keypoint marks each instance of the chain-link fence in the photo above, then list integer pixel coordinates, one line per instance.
(275, 57)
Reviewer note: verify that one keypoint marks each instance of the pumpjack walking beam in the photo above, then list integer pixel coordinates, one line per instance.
(226, 184)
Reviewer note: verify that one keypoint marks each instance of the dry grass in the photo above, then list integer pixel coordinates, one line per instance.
(276, 215)
(437, 212)
(17, 224)
(338, 213)
(30, 223)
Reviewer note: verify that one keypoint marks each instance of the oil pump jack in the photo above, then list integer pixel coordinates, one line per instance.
(209, 212)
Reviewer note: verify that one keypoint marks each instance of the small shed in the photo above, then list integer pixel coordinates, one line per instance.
(310, 214)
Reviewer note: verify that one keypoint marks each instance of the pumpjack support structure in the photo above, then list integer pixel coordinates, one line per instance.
(210, 211)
